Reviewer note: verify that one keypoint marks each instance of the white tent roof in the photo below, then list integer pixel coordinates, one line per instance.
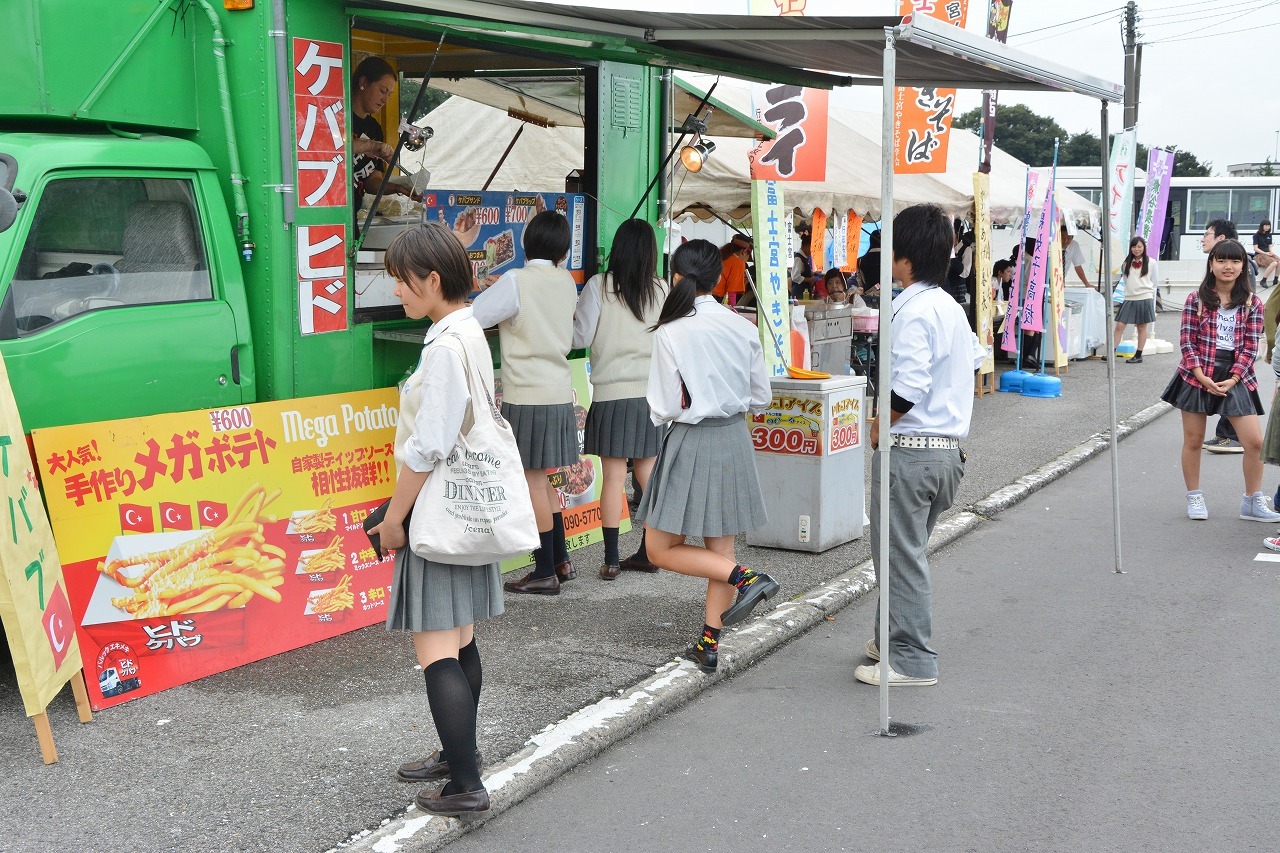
(471, 137)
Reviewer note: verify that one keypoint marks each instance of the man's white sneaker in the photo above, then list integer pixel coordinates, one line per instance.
(1197, 510)
(1254, 508)
(873, 651)
(871, 675)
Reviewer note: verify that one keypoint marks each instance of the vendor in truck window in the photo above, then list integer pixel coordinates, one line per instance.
(371, 87)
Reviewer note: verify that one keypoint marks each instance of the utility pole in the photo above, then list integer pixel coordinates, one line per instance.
(1132, 64)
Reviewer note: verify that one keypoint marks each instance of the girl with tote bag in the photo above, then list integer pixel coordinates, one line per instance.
(444, 405)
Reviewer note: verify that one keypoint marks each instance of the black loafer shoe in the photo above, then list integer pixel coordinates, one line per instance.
(706, 659)
(468, 802)
(761, 589)
(430, 769)
(565, 571)
(637, 564)
(609, 573)
(529, 585)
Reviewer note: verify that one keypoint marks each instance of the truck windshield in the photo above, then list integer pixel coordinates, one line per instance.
(98, 243)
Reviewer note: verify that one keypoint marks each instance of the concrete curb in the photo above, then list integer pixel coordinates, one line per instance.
(585, 733)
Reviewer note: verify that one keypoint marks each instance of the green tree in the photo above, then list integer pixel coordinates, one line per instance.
(409, 87)
(1268, 169)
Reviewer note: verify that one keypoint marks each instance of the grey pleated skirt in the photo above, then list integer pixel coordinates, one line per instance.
(704, 482)
(1137, 312)
(430, 596)
(546, 435)
(622, 429)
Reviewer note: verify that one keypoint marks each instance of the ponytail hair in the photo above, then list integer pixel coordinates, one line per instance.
(698, 264)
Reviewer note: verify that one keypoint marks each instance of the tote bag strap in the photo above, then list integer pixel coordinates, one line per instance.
(475, 382)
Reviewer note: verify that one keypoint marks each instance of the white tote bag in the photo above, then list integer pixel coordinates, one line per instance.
(475, 507)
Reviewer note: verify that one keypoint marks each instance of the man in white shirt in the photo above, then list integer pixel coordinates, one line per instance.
(934, 355)
(1073, 257)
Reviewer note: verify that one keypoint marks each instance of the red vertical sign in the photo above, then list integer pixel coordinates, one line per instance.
(320, 129)
(322, 278)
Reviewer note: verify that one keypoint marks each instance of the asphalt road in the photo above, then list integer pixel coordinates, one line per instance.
(297, 752)
(1077, 709)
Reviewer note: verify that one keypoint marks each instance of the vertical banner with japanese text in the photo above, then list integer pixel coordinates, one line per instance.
(922, 116)
(1124, 151)
(320, 131)
(1155, 203)
(984, 307)
(799, 151)
(839, 241)
(34, 609)
(322, 278)
(998, 29)
(818, 245)
(1032, 318)
(200, 541)
(1056, 322)
(1010, 335)
(853, 236)
(770, 226)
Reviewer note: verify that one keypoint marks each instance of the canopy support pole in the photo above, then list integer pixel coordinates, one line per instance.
(1111, 353)
(886, 354)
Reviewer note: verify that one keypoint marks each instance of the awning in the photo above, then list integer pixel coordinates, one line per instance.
(777, 49)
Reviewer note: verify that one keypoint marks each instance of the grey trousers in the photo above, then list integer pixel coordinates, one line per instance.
(922, 485)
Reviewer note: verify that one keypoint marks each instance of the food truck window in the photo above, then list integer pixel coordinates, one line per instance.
(98, 243)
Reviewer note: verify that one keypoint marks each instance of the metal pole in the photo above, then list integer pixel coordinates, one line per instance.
(1111, 353)
(284, 111)
(886, 353)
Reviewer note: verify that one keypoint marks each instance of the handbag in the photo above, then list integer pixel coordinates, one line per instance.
(474, 508)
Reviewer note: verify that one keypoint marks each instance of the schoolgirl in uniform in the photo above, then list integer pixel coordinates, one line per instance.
(440, 603)
(1220, 337)
(1139, 307)
(614, 315)
(533, 310)
(707, 372)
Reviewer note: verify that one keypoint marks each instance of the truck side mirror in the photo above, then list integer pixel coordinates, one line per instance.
(8, 209)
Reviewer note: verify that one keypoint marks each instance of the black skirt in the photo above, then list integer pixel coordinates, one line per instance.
(1239, 400)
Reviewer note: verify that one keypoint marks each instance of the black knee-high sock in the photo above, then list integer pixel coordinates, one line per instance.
(543, 565)
(641, 553)
(610, 545)
(469, 660)
(454, 712)
(559, 548)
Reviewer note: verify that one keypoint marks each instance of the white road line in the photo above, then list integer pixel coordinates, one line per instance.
(1267, 557)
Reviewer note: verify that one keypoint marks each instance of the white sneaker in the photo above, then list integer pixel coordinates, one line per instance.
(871, 675)
(1255, 507)
(1273, 543)
(1197, 510)
(873, 651)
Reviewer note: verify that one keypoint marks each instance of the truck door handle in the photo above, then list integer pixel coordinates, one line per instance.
(235, 365)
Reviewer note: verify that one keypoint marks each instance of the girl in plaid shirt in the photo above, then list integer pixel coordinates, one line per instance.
(1221, 334)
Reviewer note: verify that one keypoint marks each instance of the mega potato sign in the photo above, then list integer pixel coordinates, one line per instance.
(199, 541)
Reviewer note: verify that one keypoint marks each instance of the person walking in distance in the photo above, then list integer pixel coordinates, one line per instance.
(439, 603)
(614, 315)
(933, 357)
(1139, 307)
(1220, 337)
(533, 310)
(1224, 438)
(707, 372)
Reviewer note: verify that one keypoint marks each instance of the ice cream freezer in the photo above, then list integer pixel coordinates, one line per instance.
(809, 455)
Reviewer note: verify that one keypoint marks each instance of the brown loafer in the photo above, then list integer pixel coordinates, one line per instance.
(530, 585)
(609, 572)
(637, 564)
(468, 802)
(565, 571)
(429, 769)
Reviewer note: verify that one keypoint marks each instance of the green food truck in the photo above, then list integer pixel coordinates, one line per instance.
(177, 220)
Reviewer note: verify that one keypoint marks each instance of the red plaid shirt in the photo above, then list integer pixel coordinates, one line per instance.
(1199, 340)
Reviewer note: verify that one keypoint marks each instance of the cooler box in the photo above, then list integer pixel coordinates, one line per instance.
(808, 450)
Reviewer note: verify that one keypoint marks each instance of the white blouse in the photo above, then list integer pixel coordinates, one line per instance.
(718, 357)
(441, 385)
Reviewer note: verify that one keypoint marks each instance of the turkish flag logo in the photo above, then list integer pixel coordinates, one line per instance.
(58, 625)
(211, 513)
(175, 516)
(138, 519)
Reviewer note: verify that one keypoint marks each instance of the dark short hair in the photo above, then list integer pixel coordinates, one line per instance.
(427, 248)
(873, 239)
(372, 69)
(835, 273)
(923, 236)
(1000, 266)
(547, 237)
(1223, 228)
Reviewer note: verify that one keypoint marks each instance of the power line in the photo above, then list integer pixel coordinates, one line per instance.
(1065, 32)
(1216, 14)
(1068, 23)
(1192, 10)
(1171, 40)
(1226, 21)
